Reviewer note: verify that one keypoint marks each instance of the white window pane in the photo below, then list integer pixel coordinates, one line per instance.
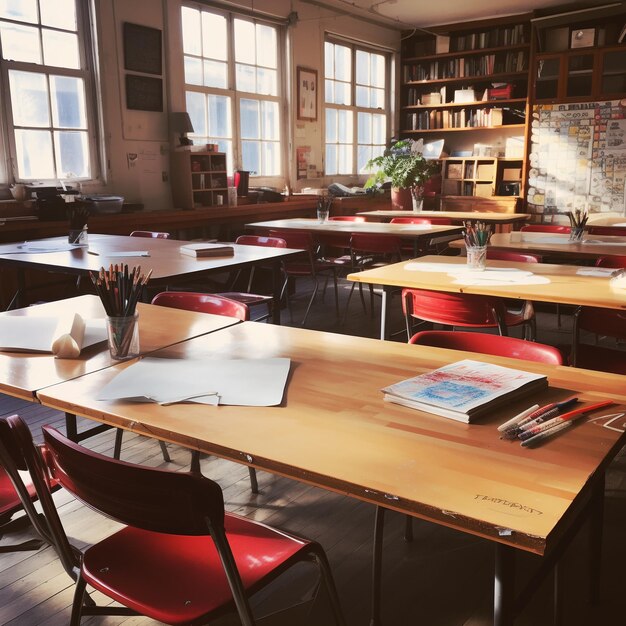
(364, 132)
(20, 43)
(267, 82)
(251, 156)
(344, 126)
(270, 123)
(245, 78)
(329, 91)
(377, 98)
(215, 74)
(343, 65)
(60, 49)
(271, 159)
(331, 125)
(362, 96)
(220, 122)
(58, 13)
(377, 70)
(214, 36)
(379, 123)
(244, 42)
(72, 154)
(34, 154)
(196, 107)
(331, 160)
(226, 146)
(344, 165)
(362, 67)
(193, 71)
(364, 154)
(249, 119)
(192, 42)
(329, 56)
(266, 46)
(68, 102)
(29, 99)
(342, 94)
(23, 10)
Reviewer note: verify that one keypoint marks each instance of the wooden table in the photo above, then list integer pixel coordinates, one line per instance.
(501, 221)
(565, 286)
(333, 430)
(23, 374)
(165, 260)
(556, 245)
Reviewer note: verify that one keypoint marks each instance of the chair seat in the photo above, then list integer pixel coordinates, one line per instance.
(600, 358)
(250, 299)
(10, 502)
(162, 577)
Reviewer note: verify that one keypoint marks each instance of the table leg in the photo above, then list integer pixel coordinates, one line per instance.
(276, 287)
(596, 524)
(384, 312)
(504, 586)
(377, 555)
(16, 300)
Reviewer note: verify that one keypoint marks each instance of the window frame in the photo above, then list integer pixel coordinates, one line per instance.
(88, 72)
(236, 96)
(354, 45)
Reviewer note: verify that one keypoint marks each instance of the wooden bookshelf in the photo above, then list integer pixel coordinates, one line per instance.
(199, 179)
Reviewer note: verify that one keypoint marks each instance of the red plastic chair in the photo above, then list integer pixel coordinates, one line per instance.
(545, 228)
(180, 559)
(602, 322)
(439, 221)
(489, 344)
(506, 255)
(202, 303)
(150, 233)
(611, 231)
(247, 297)
(467, 310)
(614, 260)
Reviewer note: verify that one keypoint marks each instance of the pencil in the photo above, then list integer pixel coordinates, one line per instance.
(518, 418)
(547, 434)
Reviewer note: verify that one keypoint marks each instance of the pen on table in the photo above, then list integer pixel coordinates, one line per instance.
(93, 252)
(518, 418)
(547, 433)
(513, 431)
(553, 412)
(571, 415)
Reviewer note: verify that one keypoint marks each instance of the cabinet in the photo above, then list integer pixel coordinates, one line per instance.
(481, 176)
(199, 179)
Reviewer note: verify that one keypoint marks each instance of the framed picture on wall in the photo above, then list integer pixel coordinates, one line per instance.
(144, 93)
(142, 49)
(307, 94)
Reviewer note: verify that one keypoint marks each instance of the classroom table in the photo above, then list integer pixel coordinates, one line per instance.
(334, 430)
(592, 247)
(165, 260)
(501, 222)
(23, 374)
(567, 283)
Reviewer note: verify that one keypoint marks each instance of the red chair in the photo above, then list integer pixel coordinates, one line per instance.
(489, 344)
(611, 231)
(347, 218)
(545, 228)
(467, 310)
(180, 559)
(438, 221)
(602, 322)
(614, 260)
(505, 255)
(247, 297)
(150, 233)
(202, 303)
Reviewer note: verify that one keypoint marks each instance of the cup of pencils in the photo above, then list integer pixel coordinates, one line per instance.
(578, 220)
(119, 290)
(476, 242)
(323, 208)
(77, 217)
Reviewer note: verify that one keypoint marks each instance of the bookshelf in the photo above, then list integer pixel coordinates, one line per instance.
(199, 179)
(481, 176)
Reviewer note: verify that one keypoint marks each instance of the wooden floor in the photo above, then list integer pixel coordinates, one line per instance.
(442, 578)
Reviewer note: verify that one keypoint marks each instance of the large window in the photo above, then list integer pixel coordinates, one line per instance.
(233, 87)
(356, 99)
(45, 80)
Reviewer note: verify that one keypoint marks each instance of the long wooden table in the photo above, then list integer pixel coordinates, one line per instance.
(335, 431)
(566, 285)
(500, 221)
(165, 260)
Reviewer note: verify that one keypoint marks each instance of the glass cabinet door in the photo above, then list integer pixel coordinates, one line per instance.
(547, 83)
(613, 75)
(579, 75)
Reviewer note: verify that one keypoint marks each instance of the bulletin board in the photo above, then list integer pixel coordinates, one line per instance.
(578, 157)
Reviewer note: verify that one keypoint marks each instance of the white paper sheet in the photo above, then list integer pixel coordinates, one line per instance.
(41, 247)
(602, 242)
(516, 276)
(604, 272)
(119, 253)
(476, 279)
(241, 382)
(448, 268)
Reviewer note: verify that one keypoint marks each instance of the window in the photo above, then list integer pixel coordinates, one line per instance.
(45, 81)
(233, 87)
(356, 100)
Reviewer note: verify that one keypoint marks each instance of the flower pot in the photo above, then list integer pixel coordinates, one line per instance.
(401, 199)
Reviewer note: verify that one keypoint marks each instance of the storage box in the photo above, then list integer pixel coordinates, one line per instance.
(454, 170)
(451, 187)
(500, 93)
(485, 171)
(484, 190)
(431, 98)
(462, 96)
(511, 173)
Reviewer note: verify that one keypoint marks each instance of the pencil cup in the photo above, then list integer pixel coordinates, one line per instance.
(576, 234)
(123, 334)
(322, 214)
(476, 257)
(77, 236)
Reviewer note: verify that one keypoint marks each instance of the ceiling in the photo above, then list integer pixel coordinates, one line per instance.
(423, 13)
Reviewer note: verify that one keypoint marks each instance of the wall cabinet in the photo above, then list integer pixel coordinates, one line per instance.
(199, 179)
(481, 176)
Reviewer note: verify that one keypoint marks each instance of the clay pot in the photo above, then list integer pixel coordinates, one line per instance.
(401, 199)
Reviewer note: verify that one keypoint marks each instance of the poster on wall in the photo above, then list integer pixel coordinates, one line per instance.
(303, 158)
(307, 94)
(578, 157)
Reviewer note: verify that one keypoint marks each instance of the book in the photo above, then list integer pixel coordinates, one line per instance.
(203, 249)
(464, 390)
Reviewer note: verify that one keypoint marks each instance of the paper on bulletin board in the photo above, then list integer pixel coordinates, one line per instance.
(303, 158)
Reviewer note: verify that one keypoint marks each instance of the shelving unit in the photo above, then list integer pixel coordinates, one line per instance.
(481, 176)
(199, 179)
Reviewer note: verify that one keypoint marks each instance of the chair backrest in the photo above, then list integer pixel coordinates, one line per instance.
(203, 303)
(545, 228)
(299, 240)
(454, 309)
(507, 255)
(347, 218)
(609, 322)
(150, 233)
(438, 221)
(376, 244)
(496, 345)
(260, 240)
(611, 231)
(614, 260)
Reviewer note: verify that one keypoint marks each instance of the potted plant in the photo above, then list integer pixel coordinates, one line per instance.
(405, 166)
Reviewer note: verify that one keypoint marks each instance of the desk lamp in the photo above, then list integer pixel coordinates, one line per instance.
(181, 123)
